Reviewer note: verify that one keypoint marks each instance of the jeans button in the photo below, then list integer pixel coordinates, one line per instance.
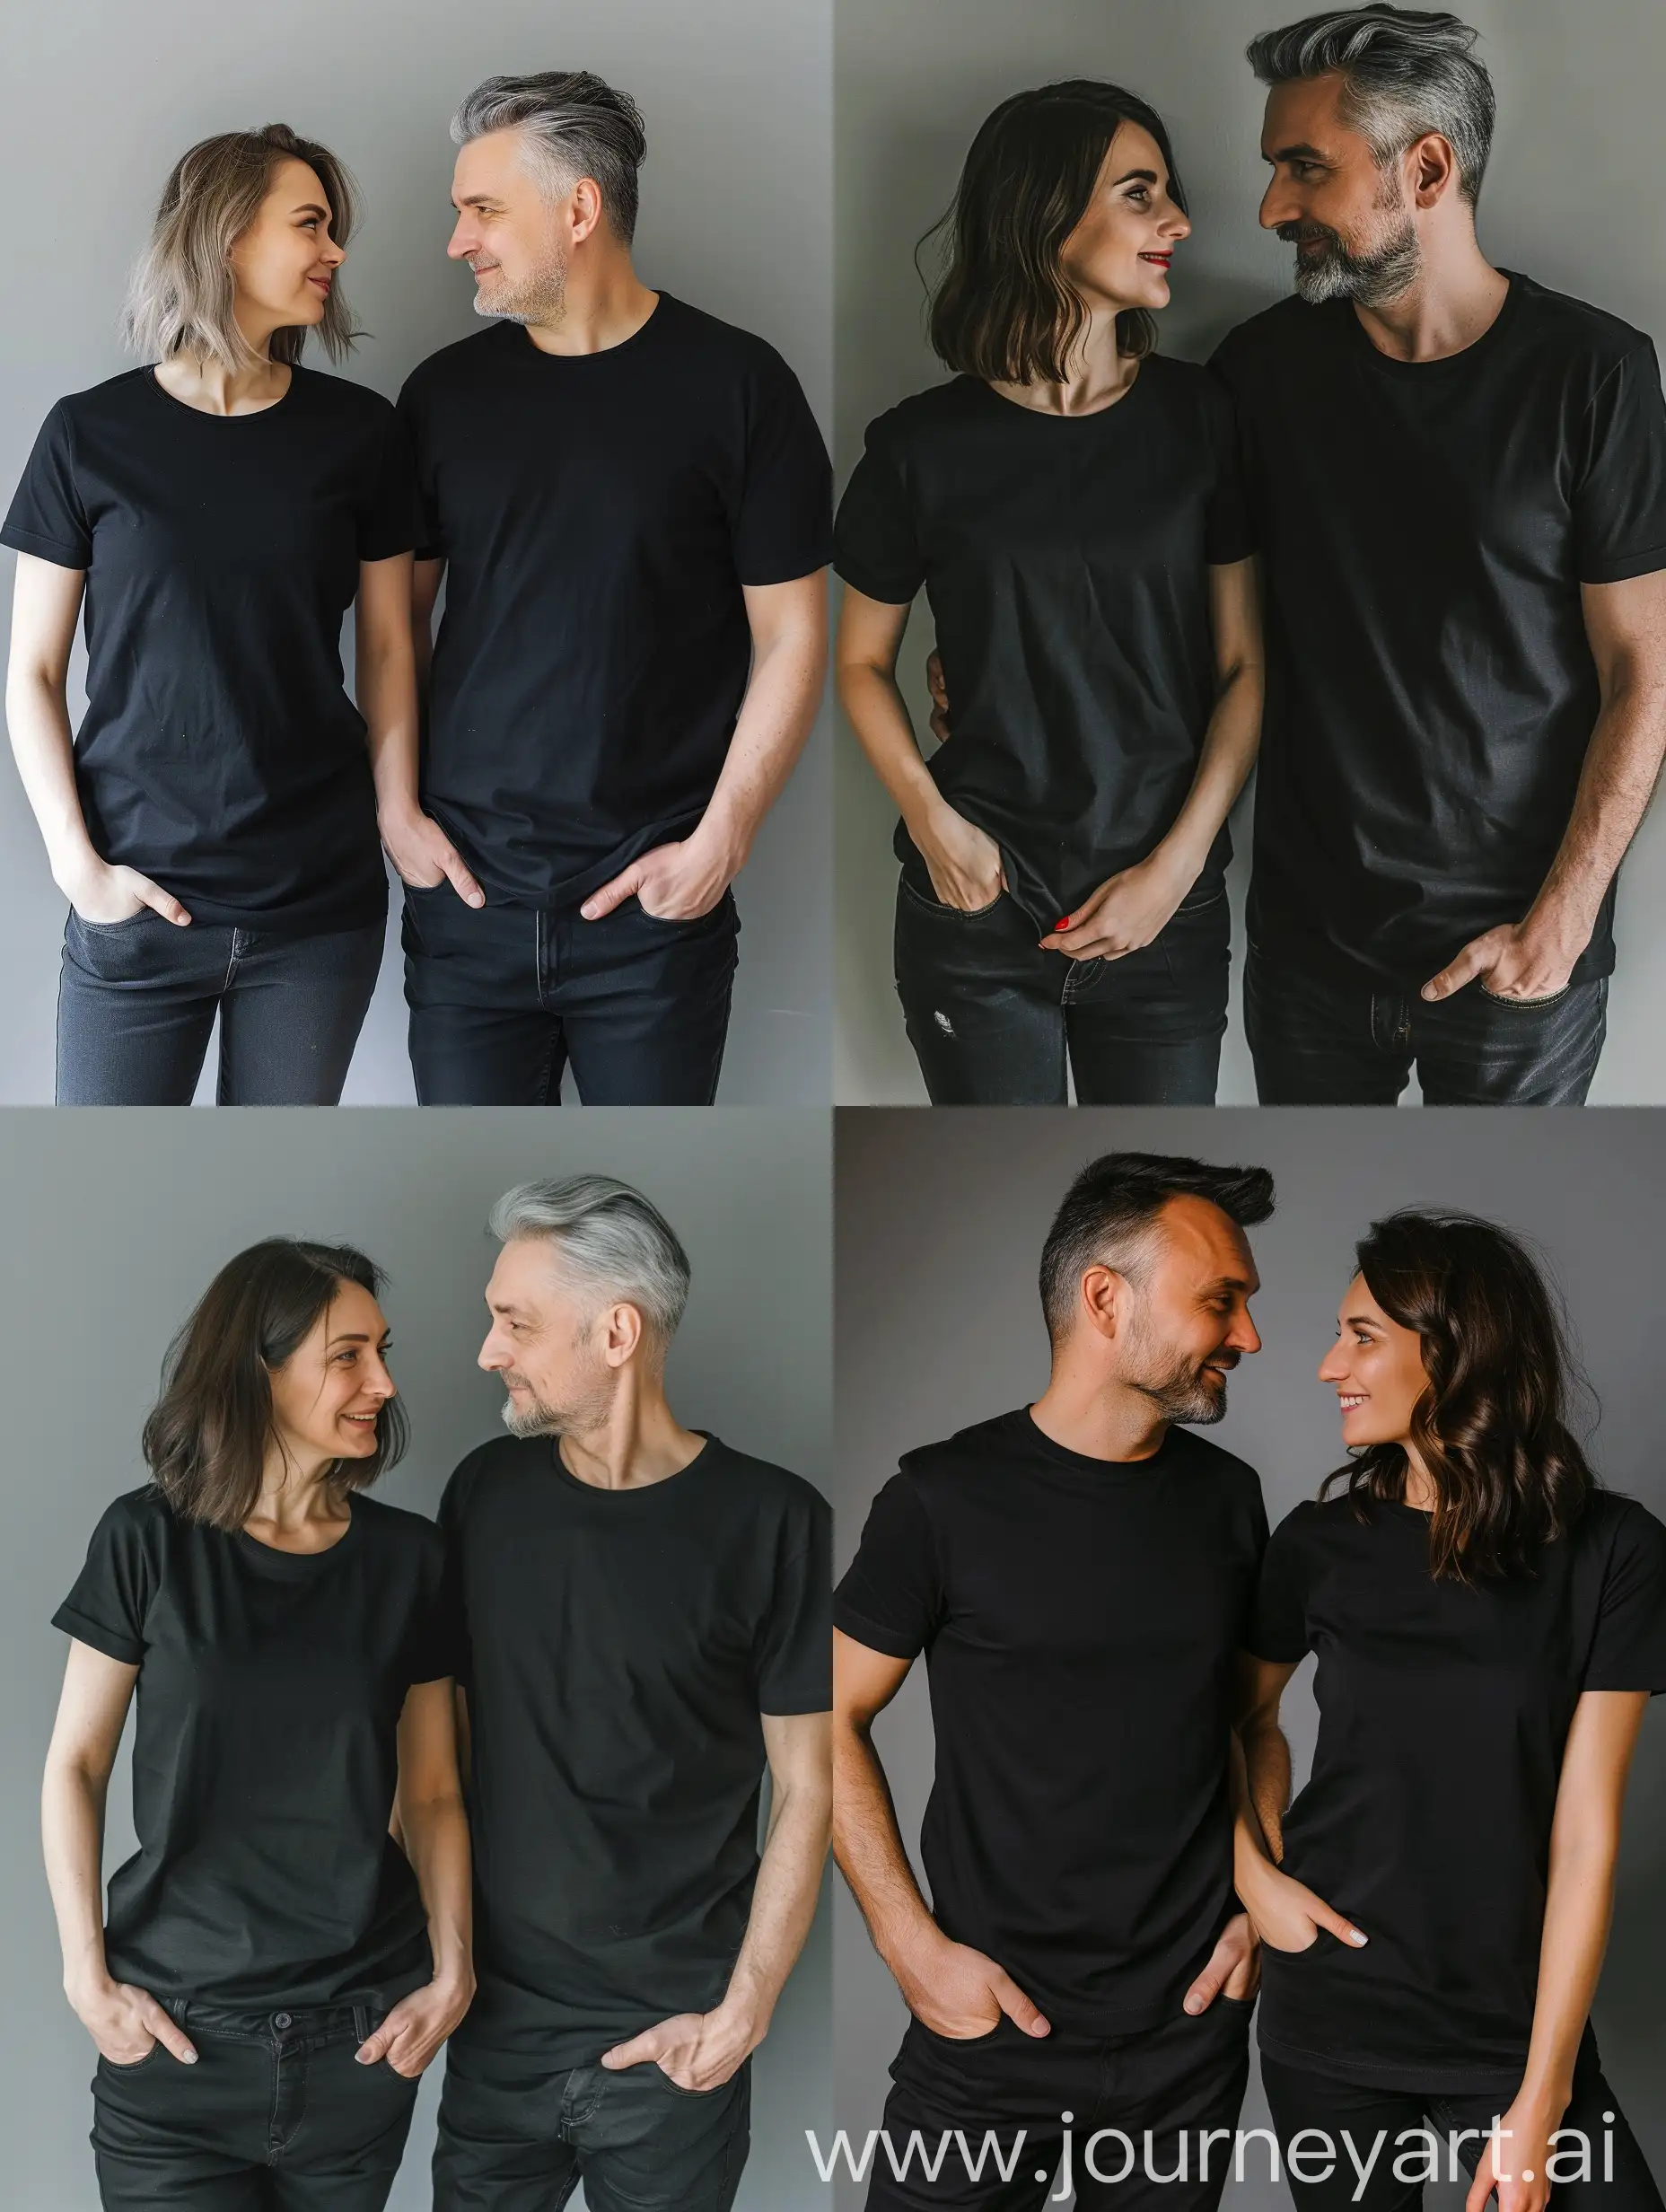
(281, 2019)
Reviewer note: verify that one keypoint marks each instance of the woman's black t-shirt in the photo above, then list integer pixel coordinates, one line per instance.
(1066, 561)
(264, 1756)
(1443, 1713)
(220, 754)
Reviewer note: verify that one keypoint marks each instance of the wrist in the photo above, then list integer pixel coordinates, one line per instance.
(1561, 923)
(720, 843)
(399, 810)
(87, 1986)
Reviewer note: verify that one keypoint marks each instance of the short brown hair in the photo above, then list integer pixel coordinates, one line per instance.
(206, 1439)
(180, 297)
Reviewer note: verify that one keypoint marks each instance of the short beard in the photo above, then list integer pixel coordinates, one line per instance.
(1373, 279)
(587, 1410)
(542, 299)
(1182, 1390)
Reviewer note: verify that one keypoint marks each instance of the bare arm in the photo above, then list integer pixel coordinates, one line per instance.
(964, 862)
(679, 882)
(45, 606)
(1284, 1913)
(1626, 624)
(954, 1990)
(386, 684)
(123, 2021)
(1137, 905)
(1579, 1907)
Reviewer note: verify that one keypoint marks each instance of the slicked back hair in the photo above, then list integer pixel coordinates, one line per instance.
(574, 125)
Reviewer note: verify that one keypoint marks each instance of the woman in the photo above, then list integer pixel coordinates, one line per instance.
(275, 1970)
(1070, 502)
(213, 821)
(1488, 1626)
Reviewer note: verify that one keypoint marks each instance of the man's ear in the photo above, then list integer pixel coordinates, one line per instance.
(622, 1332)
(1102, 1298)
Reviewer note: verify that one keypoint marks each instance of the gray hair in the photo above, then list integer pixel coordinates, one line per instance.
(608, 1236)
(574, 125)
(1404, 72)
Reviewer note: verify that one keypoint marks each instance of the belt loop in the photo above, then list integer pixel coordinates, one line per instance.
(177, 2007)
(361, 2022)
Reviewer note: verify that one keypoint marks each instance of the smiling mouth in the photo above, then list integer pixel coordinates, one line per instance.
(1162, 260)
(1349, 1405)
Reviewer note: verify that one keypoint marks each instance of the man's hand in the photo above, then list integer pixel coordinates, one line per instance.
(1522, 960)
(696, 2050)
(1520, 2150)
(1234, 1968)
(103, 894)
(414, 2031)
(673, 882)
(1125, 913)
(958, 1993)
(939, 690)
(1286, 1915)
(424, 856)
(127, 2023)
(963, 861)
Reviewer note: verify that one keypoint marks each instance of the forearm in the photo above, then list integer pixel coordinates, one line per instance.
(386, 691)
(1262, 1792)
(1228, 754)
(867, 1844)
(43, 744)
(1621, 766)
(1579, 1907)
(435, 1841)
(784, 1901)
(874, 708)
(769, 733)
(72, 1836)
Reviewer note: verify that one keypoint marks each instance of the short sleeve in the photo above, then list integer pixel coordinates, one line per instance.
(1619, 501)
(794, 1653)
(784, 520)
(46, 517)
(1229, 534)
(112, 1596)
(891, 1598)
(876, 547)
(1628, 1650)
(433, 1649)
(430, 535)
(390, 522)
(455, 1613)
(1278, 1630)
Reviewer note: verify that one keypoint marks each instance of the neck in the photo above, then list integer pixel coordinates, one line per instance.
(1455, 300)
(215, 390)
(1419, 1491)
(294, 1492)
(603, 304)
(640, 1442)
(1087, 1411)
(1096, 377)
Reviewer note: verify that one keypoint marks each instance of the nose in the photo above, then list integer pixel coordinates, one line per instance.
(1177, 226)
(1334, 1366)
(1278, 204)
(378, 1382)
(333, 253)
(1243, 1336)
(462, 241)
(491, 1356)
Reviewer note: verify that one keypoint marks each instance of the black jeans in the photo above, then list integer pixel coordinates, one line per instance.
(137, 999)
(503, 997)
(1315, 1042)
(993, 1019)
(1175, 2080)
(275, 2116)
(1299, 2100)
(512, 2143)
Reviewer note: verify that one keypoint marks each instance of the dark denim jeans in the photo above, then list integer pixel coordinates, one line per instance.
(512, 2143)
(1315, 1042)
(275, 2116)
(992, 1019)
(503, 997)
(137, 999)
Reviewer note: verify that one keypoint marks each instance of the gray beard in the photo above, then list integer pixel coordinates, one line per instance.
(1180, 1393)
(586, 1412)
(542, 300)
(1373, 279)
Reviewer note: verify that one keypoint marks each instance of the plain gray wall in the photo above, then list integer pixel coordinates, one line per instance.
(1571, 198)
(939, 1223)
(736, 217)
(115, 1222)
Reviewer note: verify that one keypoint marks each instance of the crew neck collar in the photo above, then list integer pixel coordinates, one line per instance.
(1359, 338)
(632, 1497)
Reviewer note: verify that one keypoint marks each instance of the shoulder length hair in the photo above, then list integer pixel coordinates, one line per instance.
(181, 296)
(1492, 1427)
(206, 1438)
(1004, 309)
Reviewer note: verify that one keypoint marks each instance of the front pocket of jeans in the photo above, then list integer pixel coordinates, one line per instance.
(952, 913)
(1526, 1005)
(108, 929)
(1201, 902)
(136, 2066)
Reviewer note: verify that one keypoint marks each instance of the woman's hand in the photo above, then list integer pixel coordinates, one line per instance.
(1234, 1968)
(963, 861)
(414, 2031)
(424, 857)
(1125, 912)
(127, 2023)
(1285, 1914)
(104, 894)
(1516, 2160)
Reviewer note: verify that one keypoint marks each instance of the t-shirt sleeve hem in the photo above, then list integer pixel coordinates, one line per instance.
(892, 1642)
(790, 569)
(889, 591)
(1625, 1680)
(430, 552)
(790, 1704)
(1259, 1647)
(390, 549)
(52, 550)
(1621, 568)
(109, 1641)
(1236, 549)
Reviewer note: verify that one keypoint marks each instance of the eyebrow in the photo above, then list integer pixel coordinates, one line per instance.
(1141, 176)
(360, 1335)
(1360, 1320)
(311, 207)
(1247, 1283)
(1301, 151)
(477, 199)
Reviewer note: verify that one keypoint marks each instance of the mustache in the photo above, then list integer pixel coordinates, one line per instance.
(1304, 234)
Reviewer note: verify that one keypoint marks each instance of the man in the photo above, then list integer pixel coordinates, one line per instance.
(1077, 1573)
(647, 1627)
(629, 502)
(1459, 480)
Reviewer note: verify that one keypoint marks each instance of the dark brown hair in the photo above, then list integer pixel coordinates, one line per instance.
(206, 1438)
(1492, 1427)
(1004, 309)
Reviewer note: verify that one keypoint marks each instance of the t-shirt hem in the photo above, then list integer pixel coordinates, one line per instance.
(304, 922)
(1370, 2073)
(804, 1701)
(46, 549)
(884, 589)
(793, 569)
(892, 1642)
(1624, 566)
(1310, 953)
(109, 1641)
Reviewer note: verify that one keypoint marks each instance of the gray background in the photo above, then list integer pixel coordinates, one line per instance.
(939, 1224)
(1578, 89)
(736, 217)
(115, 1222)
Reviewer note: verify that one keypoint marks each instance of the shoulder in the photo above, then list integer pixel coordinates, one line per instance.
(1288, 324)
(1212, 1463)
(487, 1469)
(1312, 1517)
(399, 1526)
(339, 397)
(144, 1514)
(113, 401)
(1620, 1528)
(1577, 326)
(726, 345)
(933, 1469)
(460, 363)
(770, 1491)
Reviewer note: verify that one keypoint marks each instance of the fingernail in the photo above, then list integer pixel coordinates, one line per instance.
(1064, 925)
(190, 2057)
(1194, 2005)
(1356, 1935)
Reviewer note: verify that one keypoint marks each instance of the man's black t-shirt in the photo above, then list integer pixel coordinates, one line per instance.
(1443, 1712)
(622, 1644)
(265, 1753)
(219, 754)
(1066, 562)
(597, 514)
(1424, 529)
(1079, 1618)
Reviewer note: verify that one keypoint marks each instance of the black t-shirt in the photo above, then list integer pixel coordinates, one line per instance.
(622, 1645)
(1424, 528)
(219, 752)
(1443, 1712)
(265, 1757)
(1079, 1618)
(598, 514)
(1066, 562)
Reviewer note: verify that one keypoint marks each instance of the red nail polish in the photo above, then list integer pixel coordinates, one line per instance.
(1064, 925)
